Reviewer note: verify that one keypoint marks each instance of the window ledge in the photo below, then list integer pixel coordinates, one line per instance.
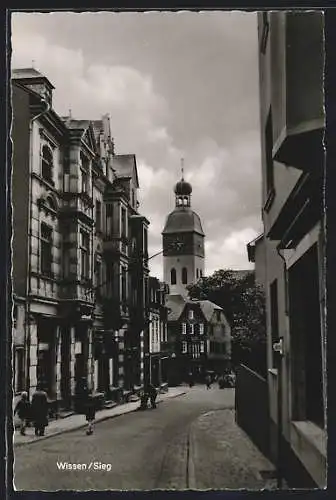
(313, 434)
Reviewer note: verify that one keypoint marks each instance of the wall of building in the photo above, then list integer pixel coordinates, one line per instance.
(20, 188)
(178, 262)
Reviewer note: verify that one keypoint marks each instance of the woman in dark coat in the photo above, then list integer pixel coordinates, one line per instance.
(90, 412)
(39, 410)
(22, 410)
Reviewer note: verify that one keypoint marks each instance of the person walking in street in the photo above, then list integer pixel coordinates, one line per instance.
(152, 395)
(208, 381)
(22, 409)
(191, 379)
(39, 410)
(90, 412)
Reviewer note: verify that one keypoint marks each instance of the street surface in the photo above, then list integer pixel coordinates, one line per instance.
(189, 442)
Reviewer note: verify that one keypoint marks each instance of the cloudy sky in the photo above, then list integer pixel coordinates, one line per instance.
(176, 85)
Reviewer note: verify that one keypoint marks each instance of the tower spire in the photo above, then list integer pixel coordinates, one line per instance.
(182, 168)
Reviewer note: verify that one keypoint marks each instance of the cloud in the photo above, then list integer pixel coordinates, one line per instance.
(199, 102)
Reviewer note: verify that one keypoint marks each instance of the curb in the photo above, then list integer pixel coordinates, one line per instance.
(82, 426)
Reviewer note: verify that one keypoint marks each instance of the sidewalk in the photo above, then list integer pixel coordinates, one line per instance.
(76, 421)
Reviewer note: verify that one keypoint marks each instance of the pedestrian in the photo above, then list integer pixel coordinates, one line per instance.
(191, 380)
(81, 392)
(208, 381)
(152, 395)
(39, 410)
(22, 409)
(90, 412)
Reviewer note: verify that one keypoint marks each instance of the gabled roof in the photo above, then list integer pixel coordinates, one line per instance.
(177, 304)
(208, 308)
(125, 167)
(84, 126)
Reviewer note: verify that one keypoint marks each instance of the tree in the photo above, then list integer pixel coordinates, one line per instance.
(243, 303)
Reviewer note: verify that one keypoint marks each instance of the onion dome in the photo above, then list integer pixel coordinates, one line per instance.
(183, 188)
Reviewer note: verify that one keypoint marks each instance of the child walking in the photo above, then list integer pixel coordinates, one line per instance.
(90, 412)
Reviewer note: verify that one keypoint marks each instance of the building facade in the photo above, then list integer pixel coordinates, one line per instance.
(292, 126)
(79, 250)
(157, 331)
(183, 243)
(199, 338)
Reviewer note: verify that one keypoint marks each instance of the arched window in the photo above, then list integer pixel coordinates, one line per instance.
(197, 275)
(47, 163)
(185, 201)
(200, 273)
(180, 202)
(173, 276)
(184, 276)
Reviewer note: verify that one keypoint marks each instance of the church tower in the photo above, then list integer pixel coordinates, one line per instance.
(183, 243)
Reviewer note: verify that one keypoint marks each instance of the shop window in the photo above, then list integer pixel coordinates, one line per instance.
(19, 370)
(202, 347)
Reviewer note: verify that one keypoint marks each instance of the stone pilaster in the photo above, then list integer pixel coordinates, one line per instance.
(58, 361)
(72, 361)
(32, 356)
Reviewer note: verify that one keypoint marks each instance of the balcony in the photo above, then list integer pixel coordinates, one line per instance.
(297, 89)
(77, 205)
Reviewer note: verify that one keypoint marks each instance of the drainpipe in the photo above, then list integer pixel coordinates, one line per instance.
(278, 348)
(29, 246)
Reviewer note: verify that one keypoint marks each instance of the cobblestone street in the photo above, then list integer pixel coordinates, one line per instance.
(188, 442)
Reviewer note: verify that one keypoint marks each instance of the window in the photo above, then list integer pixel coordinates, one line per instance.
(184, 328)
(191, 314)
(184, 276)
(201, 328)
(274, 312)
(145, 242)
(200, 273)
(123, 285)
(269, 153)
(84, 254)
(191, 329)
(184, 347)
(123, 223)
(46, 249)
(98, 215)
(218, 315)
(265, 31)
(202, 347)
(173, 276)
(47, 163)
(306, 339)
(98, 277)
(85, 186)
(19, 370)
(109, 219)
(197, 273)
(133, 198)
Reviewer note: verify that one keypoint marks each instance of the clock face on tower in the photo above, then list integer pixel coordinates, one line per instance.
(177, 244)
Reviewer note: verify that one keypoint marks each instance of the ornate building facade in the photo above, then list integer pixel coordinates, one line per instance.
(79, 250)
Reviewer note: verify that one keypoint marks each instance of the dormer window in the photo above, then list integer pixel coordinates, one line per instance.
(191, 314)
(47, 163)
